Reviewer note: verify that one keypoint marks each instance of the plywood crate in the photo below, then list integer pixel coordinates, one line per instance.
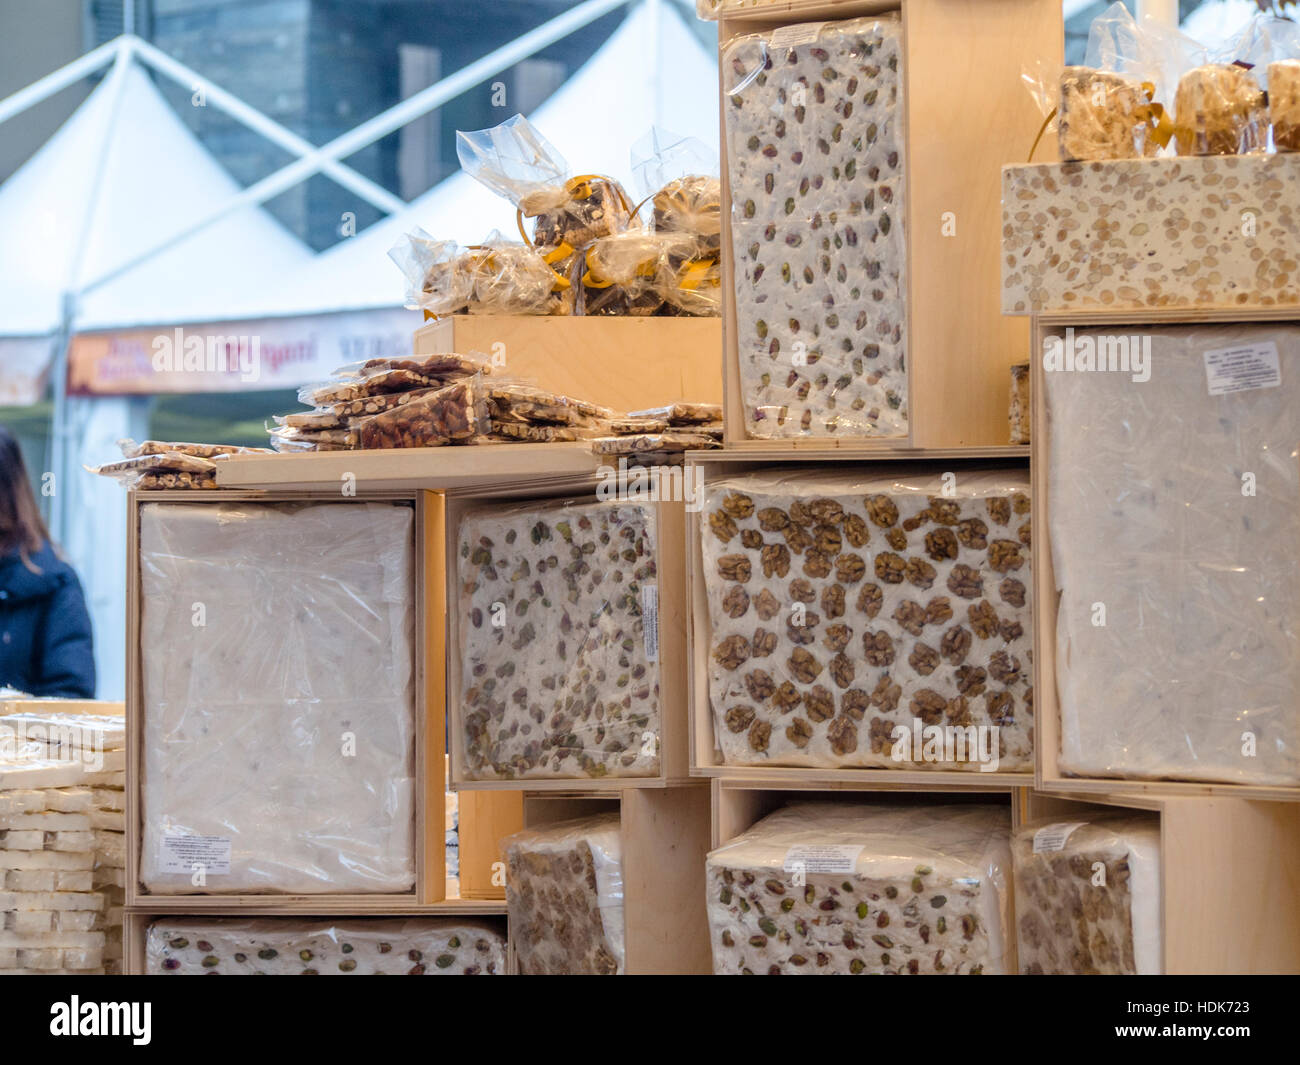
(1198, 233)
(136, 924)
(1228, 873)
(626, 363)
(1047, 723)
(705, 755)
(739, 803)
(670, 563)
(665, 837)
(967, 113)
(428, 596)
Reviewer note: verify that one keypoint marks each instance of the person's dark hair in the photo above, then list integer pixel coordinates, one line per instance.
(21, 526)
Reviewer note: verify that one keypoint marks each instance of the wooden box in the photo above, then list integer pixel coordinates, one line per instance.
(1229, 867)
(738, 804)
(136, 924)
(968, 113)
(705, 757)
(665, 837)
(429, 596)
(1047, 724)
(1200, 233)
(673, 745)
(621, 362)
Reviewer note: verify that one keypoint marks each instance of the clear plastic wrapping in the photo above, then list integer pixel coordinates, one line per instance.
(347, 946)
(453, 414)
(495, 277)
(1088, 896)
(640, 442)
(279, 709)
(442, 367)
(814, 133)
(1220, 110)
(559, 641)
(629, 273)
(1173, 502)
(1114, 105)
(523, 404)
(512, 278)
(1269, 46)
(568, 212)
(160, 469)
(564, 892)
(1284, 104)
(435, 270)
(1103, 115)
(130, 449)
(844, 608)
(838, 889)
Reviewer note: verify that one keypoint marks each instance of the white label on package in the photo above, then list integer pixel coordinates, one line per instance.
(1052, 837)
(181, 854)
(650, 620)
(790, 36)
(1242, 368)
(811, 858)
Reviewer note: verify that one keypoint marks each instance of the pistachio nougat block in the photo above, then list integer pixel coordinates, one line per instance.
(826, 889)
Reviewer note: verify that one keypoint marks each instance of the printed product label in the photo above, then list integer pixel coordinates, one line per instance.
(1242, 368)
(1052, 837)
(821, 859)
(180, 854)
(650, 620)
(790, 36)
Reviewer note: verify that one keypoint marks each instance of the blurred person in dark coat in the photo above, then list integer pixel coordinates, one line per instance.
(45, 641)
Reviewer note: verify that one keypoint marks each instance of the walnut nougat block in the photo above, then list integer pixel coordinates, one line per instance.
(285, 946)
(828, 889)
(841, 608)
(564, 892)
(814, 131)
(560, 675)
(1088, 896)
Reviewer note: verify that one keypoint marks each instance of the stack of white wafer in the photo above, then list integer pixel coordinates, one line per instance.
(62, 847)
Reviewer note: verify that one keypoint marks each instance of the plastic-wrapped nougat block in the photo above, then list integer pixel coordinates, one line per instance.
(870, 621)
(1173, 502)
(559, 641)
(829, 889)
(1088, 896)
(287, 946)
(564, 892)
(814, 135)
(278, 725)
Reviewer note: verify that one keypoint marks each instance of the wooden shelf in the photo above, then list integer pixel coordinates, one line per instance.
(324, 905)
(801, 778)
(437, 469)
(770, 451)
(1232, 858)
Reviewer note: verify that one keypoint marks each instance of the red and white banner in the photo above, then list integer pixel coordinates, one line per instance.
(250, 356)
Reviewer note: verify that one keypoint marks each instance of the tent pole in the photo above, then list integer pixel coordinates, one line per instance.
(60, 429)
(58, 80)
